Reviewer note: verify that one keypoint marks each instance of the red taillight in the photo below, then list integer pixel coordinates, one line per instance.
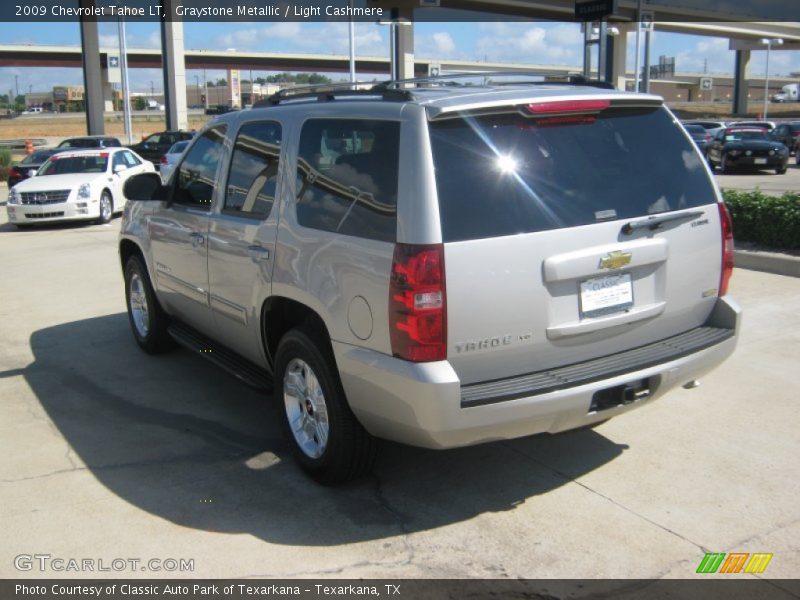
(569, 106)
(14, 172)
(727, 248)
(163, 160)
(417, 303)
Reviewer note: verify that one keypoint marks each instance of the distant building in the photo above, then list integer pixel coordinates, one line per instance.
(68, 98)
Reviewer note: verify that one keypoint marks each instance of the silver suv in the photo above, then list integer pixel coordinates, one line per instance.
(439, 265)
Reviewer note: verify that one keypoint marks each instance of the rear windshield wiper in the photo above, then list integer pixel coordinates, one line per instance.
(655, 222)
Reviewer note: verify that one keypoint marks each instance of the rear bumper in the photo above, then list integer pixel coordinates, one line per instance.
(425, 405)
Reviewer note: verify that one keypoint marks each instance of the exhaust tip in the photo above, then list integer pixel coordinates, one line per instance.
(690, 385)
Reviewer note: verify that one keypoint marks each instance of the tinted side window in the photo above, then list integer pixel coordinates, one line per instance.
(119, 159)
(254, 170)
(197, 173)
(347, 177)
(130, 158)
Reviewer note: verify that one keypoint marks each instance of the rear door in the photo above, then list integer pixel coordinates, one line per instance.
(547, 256)
(241, 238)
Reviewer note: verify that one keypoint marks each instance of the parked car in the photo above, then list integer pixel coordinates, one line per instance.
(746, 147)
(75, 185)
(91, 141)
(699, 136)
(787, 134)
(712, 127)
(768, 125)
(155, 146)
(28, 166)
(168, 161)
(220, 109)
(437, 266)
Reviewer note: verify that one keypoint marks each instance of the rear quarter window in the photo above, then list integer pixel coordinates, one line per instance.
(347, 177)
(508, 174)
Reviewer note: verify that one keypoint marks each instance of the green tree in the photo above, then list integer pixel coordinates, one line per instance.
(139, 103)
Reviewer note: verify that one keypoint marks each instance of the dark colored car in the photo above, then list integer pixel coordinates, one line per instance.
(220, 109)
(735, 148)
(91, 141)
(699, 135)
(32, 162)
(711, 127)
(154, 146)
(788, 134)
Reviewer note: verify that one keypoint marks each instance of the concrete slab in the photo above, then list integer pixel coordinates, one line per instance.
(112, 453)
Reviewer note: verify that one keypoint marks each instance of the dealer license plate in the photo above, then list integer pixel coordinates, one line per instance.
(605, 295)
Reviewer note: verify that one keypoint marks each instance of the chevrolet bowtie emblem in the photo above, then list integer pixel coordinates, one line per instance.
(615, 260)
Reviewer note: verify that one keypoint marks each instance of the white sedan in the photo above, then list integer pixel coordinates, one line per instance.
(82, 184)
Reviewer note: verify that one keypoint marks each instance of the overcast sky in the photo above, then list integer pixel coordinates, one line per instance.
(535, 43)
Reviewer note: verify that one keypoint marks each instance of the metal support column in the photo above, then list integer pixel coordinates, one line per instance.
(92, 75)
(174, 69)
(741, 73)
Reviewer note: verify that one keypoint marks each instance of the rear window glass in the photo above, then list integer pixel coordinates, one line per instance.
(347, 177)
(502, 175)
(735, 136)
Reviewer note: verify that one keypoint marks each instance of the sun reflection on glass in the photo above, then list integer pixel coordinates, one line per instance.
(506, 163)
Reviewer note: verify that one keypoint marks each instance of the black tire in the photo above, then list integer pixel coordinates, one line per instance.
(723, 165)
(106, 208)
(780, 170)
(154, 339)
(349, 451)
(711, 164)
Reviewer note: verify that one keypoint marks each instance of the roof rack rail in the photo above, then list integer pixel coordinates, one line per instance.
(571, 79)
(330, 91)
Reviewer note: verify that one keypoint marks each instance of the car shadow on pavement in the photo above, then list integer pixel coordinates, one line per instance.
(177, 437)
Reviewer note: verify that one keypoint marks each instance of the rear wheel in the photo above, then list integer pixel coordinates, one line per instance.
(106, 208)
(723, 166)
(148, 320)
(326, 438)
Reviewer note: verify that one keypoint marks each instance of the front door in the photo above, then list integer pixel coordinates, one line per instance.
(241, 239)
(179, 230)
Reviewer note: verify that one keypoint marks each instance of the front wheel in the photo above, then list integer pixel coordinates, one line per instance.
(723, 166)
(147, 318)
(780, 170)
(106, 208)
(326, 438)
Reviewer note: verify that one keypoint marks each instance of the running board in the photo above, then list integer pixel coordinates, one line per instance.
(236, 365)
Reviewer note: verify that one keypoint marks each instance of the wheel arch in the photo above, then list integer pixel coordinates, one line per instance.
(280, 314)
(128, 248)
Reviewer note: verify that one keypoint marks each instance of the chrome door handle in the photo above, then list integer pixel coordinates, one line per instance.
(198, 239)
(258, 252)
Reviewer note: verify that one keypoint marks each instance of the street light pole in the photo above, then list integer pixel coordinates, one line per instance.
(768, 42)
(126, 95)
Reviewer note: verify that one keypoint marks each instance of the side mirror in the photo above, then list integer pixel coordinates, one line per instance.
(120, 168)
(145, 186)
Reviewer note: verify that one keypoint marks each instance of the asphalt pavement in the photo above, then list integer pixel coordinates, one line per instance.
(111, 453)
